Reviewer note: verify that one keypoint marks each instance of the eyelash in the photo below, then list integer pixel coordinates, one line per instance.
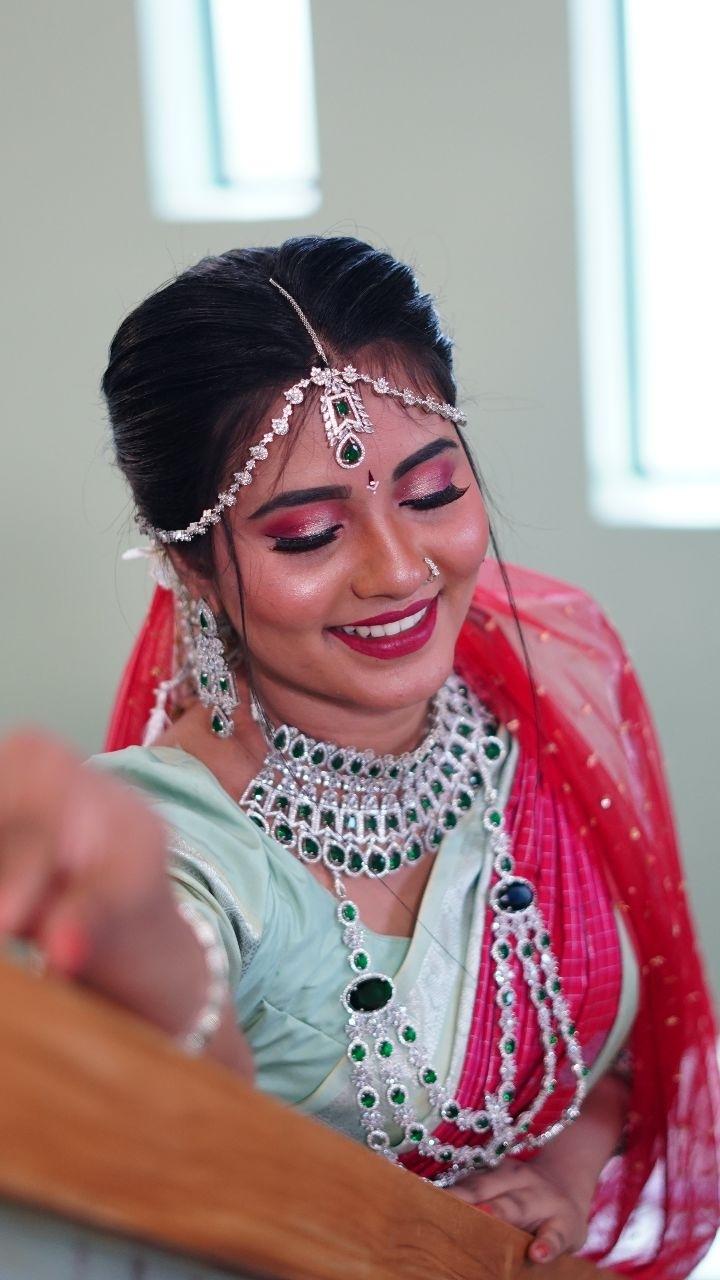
(292, 546)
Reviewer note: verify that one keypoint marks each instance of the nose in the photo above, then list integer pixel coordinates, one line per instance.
(390, 562)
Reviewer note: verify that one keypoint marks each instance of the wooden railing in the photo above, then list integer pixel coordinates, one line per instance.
(103, 1122)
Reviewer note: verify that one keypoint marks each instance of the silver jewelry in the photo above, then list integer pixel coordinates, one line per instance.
(365, 814)
(205, 655)
(434, 571)
(344, 416)
(209, 1017)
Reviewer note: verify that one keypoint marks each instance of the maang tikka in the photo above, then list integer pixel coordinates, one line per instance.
(345, 418)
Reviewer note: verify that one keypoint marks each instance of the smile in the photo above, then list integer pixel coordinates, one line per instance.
(396, 635)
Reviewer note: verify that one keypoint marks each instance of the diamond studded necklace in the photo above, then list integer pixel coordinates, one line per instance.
(360, 813)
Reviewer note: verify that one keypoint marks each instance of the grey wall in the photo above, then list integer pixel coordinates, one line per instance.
(445, 134)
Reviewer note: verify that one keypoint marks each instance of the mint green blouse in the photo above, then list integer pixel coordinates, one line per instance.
(288, 964)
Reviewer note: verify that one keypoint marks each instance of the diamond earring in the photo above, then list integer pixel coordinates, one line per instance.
(213, 678)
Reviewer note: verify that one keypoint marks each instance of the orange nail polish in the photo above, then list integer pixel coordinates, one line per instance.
(69, 948)
(540, 1251)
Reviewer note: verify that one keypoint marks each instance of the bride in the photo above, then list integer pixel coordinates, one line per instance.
(381, 824)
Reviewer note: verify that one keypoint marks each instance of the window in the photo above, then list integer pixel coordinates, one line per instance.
(646, 98)
(229, 108)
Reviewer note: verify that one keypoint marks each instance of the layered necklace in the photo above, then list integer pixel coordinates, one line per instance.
(365, 814)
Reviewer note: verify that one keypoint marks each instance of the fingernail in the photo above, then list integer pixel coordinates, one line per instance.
(487, 1208)
(68, 947)
(540, 1251)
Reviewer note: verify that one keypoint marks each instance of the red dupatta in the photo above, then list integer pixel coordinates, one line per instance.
(656, 1208)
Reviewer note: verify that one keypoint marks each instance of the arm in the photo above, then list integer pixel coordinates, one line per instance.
(551, 1195)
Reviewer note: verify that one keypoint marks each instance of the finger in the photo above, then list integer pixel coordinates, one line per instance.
(483, 1186)
(513, 1209)
(553, 1238)
(24, 873)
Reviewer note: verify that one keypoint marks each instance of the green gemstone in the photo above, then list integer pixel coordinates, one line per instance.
(425, 803)
(224, 684)
(411, 815)
(394, 771)
(464, 800)
(358, 1052)
(361, 959)
(494, 818)
(457, 750)
(375, 770)
(571, 1029)
(204, 621)
(501, 1148)
(475, 779)
(368, 1098)
(436, 837)
(342, 407)
(204, 679)
(377, 863)
(280, 740)
(348, 912)
(506, 864)
(483, 1122)
(216, 724)
(371, 822)
(509, 1046)
(259, 821)
(282, 832)
(414, 851)
(416, 1133)
(259, 793)
(370, 994)
(445, 1155)
(282, 802)
(450, 819)
(409, 1035)
(503, 951)
(310, 846)
(464, 730)
(328, 818)
(447, 770)
(318, 756)
(304, 811)
(553, 1039)
(429, 1076)
(437, 787)
(526, 949)
(507, 998)
(397, 1097)
(356, 765)
(336, 855)
(298, 749)
(391, 822)
(356, 862)
(394, 860)
(337, 761)
(385, 1048)
(492, 750)
(557, 986)
(451, 1111)
(478, 1162)
(541, 994)
(545, 940)
(351, 453)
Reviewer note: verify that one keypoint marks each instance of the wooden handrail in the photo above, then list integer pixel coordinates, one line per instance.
(104, 1122)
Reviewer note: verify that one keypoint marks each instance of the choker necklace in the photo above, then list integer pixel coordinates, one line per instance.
(364, 814)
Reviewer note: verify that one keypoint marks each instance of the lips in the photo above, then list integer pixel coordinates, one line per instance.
(392, 646)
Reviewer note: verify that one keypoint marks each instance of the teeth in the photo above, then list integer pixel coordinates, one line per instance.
(390, 629)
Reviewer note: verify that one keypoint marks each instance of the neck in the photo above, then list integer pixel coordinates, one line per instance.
(367, 729)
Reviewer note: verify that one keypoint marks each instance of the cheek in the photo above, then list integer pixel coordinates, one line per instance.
(467, 541)
(283, 595)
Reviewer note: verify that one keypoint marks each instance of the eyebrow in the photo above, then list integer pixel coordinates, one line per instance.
(328, 493)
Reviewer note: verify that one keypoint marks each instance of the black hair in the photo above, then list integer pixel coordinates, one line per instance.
(193, 369)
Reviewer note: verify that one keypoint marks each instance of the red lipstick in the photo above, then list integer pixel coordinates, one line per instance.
(398, 646)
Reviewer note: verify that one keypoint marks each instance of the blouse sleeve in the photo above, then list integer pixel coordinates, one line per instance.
(216, 856)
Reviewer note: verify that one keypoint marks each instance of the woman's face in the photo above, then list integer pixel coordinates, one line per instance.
(321, 551)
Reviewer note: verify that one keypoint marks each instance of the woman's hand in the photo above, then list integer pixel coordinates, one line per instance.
(81, 857)
(531, 1196)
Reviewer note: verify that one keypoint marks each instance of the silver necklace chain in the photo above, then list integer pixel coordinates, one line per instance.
(364, 814)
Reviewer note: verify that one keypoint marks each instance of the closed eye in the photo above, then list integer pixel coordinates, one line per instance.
(310, 543)
(438, 499)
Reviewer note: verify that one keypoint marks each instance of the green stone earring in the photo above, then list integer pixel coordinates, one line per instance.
(214, 679)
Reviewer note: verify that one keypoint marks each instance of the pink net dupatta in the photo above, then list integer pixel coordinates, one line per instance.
(656, 1210)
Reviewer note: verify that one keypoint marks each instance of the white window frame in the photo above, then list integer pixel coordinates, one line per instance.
(183, 131)
(620, 494)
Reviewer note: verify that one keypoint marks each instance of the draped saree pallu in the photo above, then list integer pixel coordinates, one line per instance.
(592, 827)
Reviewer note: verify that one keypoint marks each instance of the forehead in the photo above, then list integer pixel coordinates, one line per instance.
(306, 457)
